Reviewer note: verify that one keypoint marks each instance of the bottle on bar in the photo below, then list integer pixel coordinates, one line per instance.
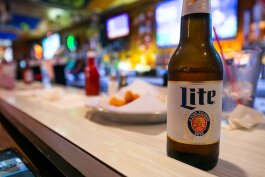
(27, 73)
(92, 82)
(113, 85)
(195, 82)
(123, 81)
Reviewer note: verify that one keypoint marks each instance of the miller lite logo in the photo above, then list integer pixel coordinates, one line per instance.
(199, 123)
(192, 97)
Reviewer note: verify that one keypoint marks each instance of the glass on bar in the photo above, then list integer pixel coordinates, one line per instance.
(240, 81)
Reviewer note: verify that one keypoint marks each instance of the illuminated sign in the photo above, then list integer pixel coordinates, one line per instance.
(118, 26)
(71, 42)
(50, 45)
(37, 51)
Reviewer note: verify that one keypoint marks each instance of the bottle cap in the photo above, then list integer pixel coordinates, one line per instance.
(91, 54)
(196, 6)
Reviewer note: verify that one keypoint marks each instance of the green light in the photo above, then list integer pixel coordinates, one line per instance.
(71, 42)
(24, 26)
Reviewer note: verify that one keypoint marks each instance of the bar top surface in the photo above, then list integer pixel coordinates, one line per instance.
(96, 146)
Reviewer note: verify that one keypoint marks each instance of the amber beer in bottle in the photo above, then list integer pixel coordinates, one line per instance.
(195, 82)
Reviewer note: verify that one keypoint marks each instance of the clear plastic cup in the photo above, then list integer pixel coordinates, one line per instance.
(240, 81)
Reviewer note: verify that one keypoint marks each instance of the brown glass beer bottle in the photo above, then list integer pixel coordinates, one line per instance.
(195, 82)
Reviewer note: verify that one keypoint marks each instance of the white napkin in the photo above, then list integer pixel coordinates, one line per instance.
(68, 101)
(244, 117)
(141, 87)
(52, 94)
(58, 97)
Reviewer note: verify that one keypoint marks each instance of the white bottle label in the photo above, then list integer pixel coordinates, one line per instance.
(194, 112)
(196, 6)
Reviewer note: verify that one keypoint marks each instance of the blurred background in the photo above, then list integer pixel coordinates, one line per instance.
(135, 38)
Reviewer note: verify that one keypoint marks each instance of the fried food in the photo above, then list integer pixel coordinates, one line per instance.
(128, 97)
(116, 102)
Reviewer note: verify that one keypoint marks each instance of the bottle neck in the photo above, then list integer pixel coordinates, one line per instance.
(91, 61)
(196, 27)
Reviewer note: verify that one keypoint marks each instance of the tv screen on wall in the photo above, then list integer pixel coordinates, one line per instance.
(224, 19)
(118, 26)
(168, 26)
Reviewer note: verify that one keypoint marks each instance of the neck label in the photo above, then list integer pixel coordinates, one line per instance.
(196, 6)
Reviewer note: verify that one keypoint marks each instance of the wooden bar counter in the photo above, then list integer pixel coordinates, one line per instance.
(97, 147)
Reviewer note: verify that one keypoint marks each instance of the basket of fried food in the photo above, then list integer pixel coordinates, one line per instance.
(137, 103)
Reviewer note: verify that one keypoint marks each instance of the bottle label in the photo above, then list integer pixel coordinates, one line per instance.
(194, 111)
(196, 6)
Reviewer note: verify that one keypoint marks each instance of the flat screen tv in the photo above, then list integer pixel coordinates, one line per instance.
(50, 45)
(168, 26)
(224, 19)
(118, 26)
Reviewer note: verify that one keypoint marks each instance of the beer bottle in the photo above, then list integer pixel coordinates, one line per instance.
(195, 82)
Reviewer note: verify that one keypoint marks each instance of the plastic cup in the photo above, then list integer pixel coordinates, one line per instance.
(245, 68)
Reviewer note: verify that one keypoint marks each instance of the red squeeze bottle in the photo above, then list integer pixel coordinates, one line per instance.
(92, 86)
